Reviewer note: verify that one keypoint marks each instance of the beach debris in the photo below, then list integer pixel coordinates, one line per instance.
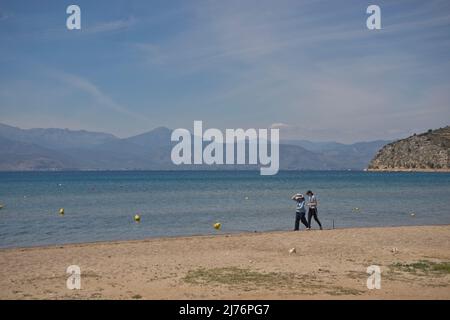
(217, 225)
(61, 211)
(394, 250)
(413, 214)
(292, 251)
(137, 218)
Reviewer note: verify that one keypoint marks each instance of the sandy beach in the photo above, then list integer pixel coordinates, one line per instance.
(328, 264)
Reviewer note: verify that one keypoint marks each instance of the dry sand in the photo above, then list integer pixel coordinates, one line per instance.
(328, 264)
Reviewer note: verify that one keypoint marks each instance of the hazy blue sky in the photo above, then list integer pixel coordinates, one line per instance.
(310, 67)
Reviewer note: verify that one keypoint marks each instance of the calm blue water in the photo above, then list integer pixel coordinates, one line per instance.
(101, 205)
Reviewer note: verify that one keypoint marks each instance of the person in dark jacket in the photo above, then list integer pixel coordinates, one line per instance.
(312, 211)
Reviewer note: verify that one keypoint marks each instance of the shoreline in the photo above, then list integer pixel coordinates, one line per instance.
(207, 236)
(410, 170)
(221, 170)
(328, 264)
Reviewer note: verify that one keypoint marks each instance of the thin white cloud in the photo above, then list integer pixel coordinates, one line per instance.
(110, 26)
(4, 16)
(98, 28)
(279, 125)
(97, 94)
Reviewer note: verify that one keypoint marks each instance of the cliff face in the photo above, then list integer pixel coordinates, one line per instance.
(428, 151)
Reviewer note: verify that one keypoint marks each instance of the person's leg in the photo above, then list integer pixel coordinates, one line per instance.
(309, 217)
(317, 219)
(303, 219)
(297, 221)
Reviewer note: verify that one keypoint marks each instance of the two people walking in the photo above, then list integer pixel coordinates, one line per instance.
(300, 211)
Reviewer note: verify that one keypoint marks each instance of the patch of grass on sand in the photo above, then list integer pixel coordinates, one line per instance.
(423, 267)
(339, 291)
(235, 276)
(96, 295)
(247, 280)
(356, 275)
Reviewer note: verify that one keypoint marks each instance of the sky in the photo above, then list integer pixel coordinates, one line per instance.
(311, 68)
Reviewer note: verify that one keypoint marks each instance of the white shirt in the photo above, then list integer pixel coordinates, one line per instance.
(313, 201)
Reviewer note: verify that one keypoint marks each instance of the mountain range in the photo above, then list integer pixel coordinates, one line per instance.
(63, 149)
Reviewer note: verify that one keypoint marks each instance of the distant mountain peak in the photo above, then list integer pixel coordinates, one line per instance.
(161, 128)
(156, 137)
(55, 138)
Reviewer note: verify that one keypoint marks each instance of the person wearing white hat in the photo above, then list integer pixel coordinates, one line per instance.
(300, 211)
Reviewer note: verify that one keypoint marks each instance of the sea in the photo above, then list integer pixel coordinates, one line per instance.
(101, 205)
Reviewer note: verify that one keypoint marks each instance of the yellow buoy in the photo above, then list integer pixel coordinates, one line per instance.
(61, 211)
(137, 218)
(217, 225)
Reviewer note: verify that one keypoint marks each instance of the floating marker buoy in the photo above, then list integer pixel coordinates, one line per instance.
(413, 214)
(137, 218)
(1, 206)
(61, 211)
(217, 225)
(246, 198)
